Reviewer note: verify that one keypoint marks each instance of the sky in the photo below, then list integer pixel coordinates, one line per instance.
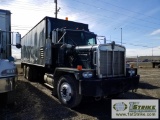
(135, 22)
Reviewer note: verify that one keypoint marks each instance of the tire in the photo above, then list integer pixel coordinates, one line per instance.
(67, 91)
(11, 98)
(34, 74)
(29, 74)
(24, 71)
(8, 98)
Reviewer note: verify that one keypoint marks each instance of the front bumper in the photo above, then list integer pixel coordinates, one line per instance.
(7, 84)
(109, 86)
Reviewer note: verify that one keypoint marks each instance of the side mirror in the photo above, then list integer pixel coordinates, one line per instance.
(101, 40)
(18, 40)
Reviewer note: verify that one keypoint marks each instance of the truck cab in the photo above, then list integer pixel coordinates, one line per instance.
(103, 71)
(8, 70)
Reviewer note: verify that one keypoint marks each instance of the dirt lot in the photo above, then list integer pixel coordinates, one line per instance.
(34, 101)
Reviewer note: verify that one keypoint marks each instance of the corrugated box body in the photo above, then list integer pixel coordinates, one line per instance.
(5, 36)
(34, 42)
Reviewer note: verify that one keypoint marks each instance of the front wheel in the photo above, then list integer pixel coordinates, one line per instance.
(67, 90)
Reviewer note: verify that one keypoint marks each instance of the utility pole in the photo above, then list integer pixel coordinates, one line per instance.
(121, 36)
(55, 1)
(152, 53)
(56, 10)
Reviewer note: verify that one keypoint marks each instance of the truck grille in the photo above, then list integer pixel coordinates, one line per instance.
(112, 63)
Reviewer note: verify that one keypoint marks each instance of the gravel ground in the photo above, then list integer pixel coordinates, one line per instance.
(34, 101)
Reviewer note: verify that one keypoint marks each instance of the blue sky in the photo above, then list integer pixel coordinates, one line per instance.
(139, 20)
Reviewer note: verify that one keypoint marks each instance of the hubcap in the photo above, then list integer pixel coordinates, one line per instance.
(66, 92)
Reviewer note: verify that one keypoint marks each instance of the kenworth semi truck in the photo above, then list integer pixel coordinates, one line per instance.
(8, 71)
(65, 54)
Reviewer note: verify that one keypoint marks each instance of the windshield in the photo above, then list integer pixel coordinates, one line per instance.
(80, 38)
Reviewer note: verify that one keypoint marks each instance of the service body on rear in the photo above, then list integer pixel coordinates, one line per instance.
(8, 74)
(67, 56)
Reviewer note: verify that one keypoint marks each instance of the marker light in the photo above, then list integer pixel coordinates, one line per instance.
(79, 67)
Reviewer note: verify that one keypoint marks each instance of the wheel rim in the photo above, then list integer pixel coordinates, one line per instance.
(65, 92)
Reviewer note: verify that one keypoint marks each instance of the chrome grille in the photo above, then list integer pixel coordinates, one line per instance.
(112, 63)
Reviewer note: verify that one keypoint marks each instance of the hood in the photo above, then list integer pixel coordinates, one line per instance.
(85, 48)
(5, 64)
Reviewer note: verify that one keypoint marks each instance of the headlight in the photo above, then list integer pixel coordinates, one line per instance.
(87, 74)
(8, 72)
(131, 72)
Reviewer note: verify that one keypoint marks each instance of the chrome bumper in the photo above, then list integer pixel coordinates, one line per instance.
(7, 84)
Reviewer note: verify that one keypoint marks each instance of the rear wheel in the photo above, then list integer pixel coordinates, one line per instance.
(29, 74)
(24, 71)
(34, 74)
(67, 90)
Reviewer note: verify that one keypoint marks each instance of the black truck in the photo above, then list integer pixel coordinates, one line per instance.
(65, 54)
